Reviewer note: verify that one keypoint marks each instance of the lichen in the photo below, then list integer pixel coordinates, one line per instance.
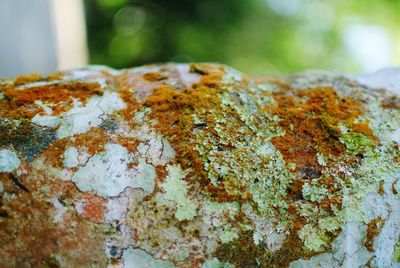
(27, 138)
(198, 166)
(137, 258)
(313, 238)
(80, 119)
(176, 190)
(396, 252)
(108, 173)
(9, 161)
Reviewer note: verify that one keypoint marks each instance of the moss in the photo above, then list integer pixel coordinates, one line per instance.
(357, 142)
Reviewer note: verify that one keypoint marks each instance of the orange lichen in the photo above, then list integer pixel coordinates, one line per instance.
(373, 229)
(20, 102)
(31, 78)
(310, 119)
(128, 142)
(93, 207)
(154, 76)
(25, 79)
(132, 106)
(93, 141)
(53, 154)
(173, 112)
(381, 189)
(363, 128)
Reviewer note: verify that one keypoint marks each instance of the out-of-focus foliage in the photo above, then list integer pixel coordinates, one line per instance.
(255, 36)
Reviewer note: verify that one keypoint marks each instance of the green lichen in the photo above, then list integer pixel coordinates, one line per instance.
(314, 193)
(396, 252)
(313, 238)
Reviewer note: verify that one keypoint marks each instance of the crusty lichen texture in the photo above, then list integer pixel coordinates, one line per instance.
(198, 166)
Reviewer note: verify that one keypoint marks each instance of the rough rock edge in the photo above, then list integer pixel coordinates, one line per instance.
(234, 97)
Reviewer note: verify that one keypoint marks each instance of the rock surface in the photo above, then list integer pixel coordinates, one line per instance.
(199, 166)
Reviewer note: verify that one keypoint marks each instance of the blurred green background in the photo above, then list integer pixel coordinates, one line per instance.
(254, 36)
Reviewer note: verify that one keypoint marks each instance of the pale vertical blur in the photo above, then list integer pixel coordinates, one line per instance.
(41, 36)
(70, 32)
(27, 39)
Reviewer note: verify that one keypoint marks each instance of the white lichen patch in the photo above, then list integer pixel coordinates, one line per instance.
(74, 157)
(46, 121)
(71, 157)
(137, 258)
(9, 160)
(108, 174)
(176, 190)
(80, 119)
(116, 208)
(155, 148)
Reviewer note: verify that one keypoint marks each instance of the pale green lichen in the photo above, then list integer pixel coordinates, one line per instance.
(321, 159)
(314, 193)
(313, 238)
(137, 258)
(176, 190)
(228, 236)
(330, 223)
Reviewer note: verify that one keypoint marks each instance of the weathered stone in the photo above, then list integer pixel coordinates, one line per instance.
(199, 166)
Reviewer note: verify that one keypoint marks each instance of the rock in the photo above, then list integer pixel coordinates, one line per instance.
(199, 166)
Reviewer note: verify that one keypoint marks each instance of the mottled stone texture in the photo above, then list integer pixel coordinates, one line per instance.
(199, 166)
